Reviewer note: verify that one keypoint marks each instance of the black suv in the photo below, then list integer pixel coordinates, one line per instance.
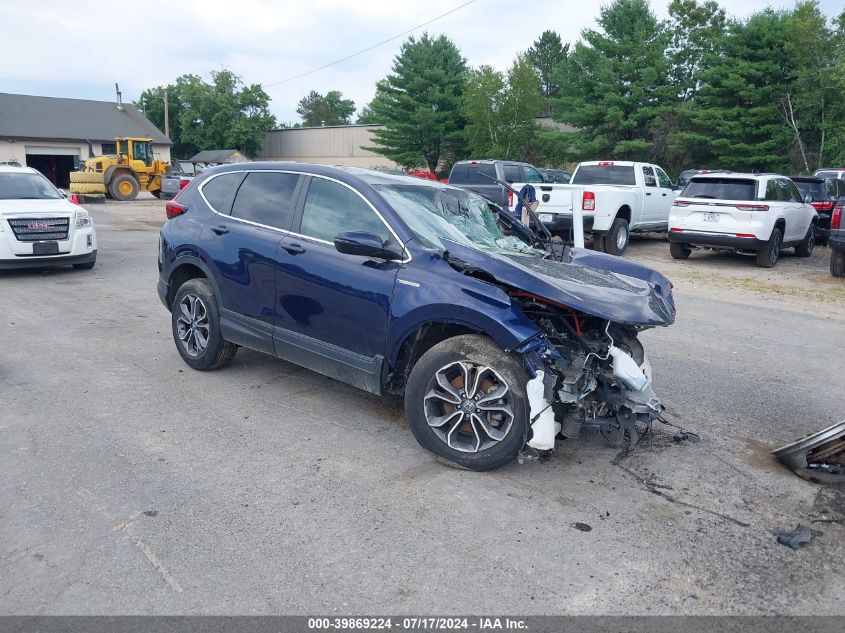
(826, 194)
(475, 175)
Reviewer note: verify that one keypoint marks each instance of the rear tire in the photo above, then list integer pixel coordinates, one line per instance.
(195, 317)
(617, 238)
(837, 263)
(598, 242)
(123, 187)
(768, 257)
(679, 251)
(805, 248)
(466, 427)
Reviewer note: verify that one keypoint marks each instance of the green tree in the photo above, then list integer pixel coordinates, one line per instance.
(812, 107)
(546, 54)
(616, 84)
(151, 103)
(500, 111)
(368, 112)
(421, 105)
(695, 29)
(737, 118)
(331, 109)
(222, 114)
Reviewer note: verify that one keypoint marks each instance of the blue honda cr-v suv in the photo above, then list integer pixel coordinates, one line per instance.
(498, 342)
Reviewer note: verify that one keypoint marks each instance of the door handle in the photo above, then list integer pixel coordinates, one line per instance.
(648, 193)
(665, 194)
(220, 229)
(293, 249)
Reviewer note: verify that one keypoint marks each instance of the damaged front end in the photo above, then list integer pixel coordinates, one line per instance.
(587, 372)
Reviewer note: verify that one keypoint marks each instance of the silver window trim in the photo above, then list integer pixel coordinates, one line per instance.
(407, 253)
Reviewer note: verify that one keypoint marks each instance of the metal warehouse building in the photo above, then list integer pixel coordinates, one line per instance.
(329, 145)
(51, 134)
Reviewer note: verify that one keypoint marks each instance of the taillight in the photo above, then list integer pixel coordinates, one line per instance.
(183, 183)
(681, 203)
(752, 207)
(510, 198)
(173, 208)
(588, 201)
(836, 218)
(606, 163)
(676, 230)
(823, 206)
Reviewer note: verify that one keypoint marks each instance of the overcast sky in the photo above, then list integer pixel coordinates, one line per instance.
(80, 48)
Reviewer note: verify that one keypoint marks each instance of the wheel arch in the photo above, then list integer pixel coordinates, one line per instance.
(423, 336)
(624, 212)
(184, 269)
(119, 169)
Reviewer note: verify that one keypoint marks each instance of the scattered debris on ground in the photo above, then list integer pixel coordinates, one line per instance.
(819, 457)
(798, 536)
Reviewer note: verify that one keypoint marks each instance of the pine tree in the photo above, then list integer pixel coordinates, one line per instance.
(421, 108)
(546, 54)
(616, 83)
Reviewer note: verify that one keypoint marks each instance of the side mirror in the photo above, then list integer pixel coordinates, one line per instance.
(808, 199)
(365, 244)
(64, 193)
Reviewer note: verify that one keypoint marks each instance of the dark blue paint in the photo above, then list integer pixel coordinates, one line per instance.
(307, 291)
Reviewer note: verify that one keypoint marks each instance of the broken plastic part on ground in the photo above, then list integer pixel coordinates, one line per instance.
(818, 457)
(801, 534)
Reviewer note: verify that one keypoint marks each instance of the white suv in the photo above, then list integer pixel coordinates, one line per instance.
(748, 213)
(39, 226)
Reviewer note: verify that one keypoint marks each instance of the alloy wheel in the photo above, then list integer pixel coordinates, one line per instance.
(192, 325)
(469, 406)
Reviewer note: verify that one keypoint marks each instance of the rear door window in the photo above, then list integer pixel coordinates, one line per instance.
(604, 175)
(220, 191)
(662, 178)
(649, 178)
(267, 198)
(511, 173)
(721, 189)
(331, 208)
(532, 175)
(794, 194)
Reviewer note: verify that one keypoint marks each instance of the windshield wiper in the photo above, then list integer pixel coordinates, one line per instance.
(546, 240)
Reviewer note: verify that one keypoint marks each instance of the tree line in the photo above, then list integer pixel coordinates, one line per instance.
(699, 89)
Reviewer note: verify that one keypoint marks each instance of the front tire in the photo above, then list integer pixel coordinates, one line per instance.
(195, 320)
(768, 257)
(805, 248)
(465, 402)
(617, 238)
(679, 251)
(123, 187)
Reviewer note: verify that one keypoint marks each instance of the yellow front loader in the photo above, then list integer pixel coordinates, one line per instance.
(120, 176)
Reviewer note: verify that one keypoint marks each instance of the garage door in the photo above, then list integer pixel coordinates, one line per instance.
(46, 150)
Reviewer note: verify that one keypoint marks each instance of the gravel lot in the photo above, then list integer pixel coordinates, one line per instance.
(132, 484)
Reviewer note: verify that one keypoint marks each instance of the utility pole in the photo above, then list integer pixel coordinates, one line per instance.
(166, 116)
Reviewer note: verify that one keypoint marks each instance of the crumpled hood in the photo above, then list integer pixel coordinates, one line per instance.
(597, 284)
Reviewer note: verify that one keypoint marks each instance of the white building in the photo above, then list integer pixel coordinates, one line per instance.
(52, 134)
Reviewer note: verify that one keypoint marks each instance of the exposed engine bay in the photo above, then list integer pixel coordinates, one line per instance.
(586, 372)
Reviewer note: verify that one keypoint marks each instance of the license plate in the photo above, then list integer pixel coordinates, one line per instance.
(45, 248)
(711, 217)
(546, 217)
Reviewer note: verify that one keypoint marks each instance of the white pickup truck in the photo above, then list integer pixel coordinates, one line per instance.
(617, 197)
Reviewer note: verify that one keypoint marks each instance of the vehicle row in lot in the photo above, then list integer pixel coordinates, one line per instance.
(39, 226)
(407, 286)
